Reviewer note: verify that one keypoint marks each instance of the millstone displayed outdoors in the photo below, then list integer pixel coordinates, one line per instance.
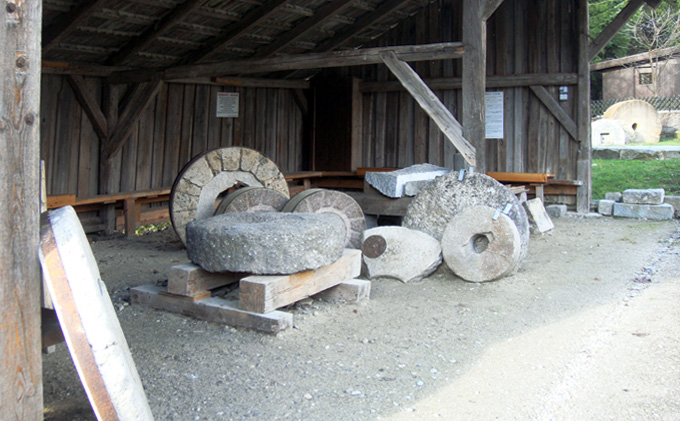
(641, 117)
(443, 199)
(252, 199)
(479, 248)
(265, 243)
(205, 177)
(332, 202)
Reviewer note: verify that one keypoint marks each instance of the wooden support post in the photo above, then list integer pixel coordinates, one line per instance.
(21, 387)
(474, 78)
(357, 125)
(107, 184)
(132, 210)
(190, 280)
(613, 28)
(583, 114)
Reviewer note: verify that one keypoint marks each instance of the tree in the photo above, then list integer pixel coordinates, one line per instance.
(601, 13)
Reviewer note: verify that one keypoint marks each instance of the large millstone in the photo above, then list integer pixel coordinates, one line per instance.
(443, 199)
(265, 243)
(332, 202)
(479, 248)
(205, 177)
(400, 253)
(252, 199)
(613, 132)
(640, 116)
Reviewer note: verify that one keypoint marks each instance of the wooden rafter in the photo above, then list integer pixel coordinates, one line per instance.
(360, 57)
(236, 30)
(431, 104)
(89, 104)
(140, 98)
(165, 24)
(506, 81)
(490, 7)
(556, 110)
(55, 33)
(320, 16)
(613, 27)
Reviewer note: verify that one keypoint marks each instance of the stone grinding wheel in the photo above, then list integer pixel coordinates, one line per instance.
(206, 176)
(478, 248)
(252, 199)
(444, 198)
(336, 203)
(641, 117)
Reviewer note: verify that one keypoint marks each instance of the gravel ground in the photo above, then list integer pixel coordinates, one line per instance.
(588, 328)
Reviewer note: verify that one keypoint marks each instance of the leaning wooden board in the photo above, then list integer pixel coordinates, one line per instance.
(88, 320)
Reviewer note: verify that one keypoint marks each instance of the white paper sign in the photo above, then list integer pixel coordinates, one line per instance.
(494, 115)
(227, 104)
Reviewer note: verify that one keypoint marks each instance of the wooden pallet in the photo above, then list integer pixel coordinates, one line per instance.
(255, 307)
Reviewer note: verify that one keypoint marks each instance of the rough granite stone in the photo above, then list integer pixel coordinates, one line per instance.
(478, 248)
(675, 202)
(605, 207)
(408, 255)
(265, 243)
(615, 196)
(606, 153)
(641, 154)
(391, 183)
(412, 188)
(631, 210)
(444, 198)
(644, 196)
(556, 211)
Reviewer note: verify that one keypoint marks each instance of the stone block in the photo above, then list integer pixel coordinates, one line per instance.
(606, 207)
(641, 154)
(606, 153)
(540, 221)
(391, 183)
(615, 196)
(412, 188)
(631, 210)
(644, 196)
(675, 202)
(556, 211)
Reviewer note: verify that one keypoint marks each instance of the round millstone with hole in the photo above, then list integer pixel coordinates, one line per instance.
(252, 199)
(336, 203)
(443, 199)
(208, 175)
(479, 248)
(265, 243)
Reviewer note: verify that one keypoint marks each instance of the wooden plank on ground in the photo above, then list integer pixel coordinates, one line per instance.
(262, 294)
(519, 177)
(431, 104)
(210, 309)
(59, 200)
(191, 280)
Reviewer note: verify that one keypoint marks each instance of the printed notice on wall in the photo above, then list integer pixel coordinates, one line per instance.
(494, 115)
(227, 104)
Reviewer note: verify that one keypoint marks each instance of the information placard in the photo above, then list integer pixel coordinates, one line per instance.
(494, 115)
(227, 104)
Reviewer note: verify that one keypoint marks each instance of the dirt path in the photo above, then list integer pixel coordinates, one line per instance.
(572, 335)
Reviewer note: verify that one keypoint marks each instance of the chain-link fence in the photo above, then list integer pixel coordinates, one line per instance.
(666, 103)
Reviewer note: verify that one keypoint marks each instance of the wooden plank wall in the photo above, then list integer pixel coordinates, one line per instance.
(178, 125)
(521, 39)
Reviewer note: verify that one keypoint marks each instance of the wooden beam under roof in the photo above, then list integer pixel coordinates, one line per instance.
(360, 57)
(490, 7)
(151, 33)
(236, 30)
(320, 16)
(613, 27)
(56, 32)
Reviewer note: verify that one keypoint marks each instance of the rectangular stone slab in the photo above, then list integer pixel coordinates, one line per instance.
(392, 183)
(657, 212)
(538, 215)
(210, 309)
(351, 291)
(262, 294)
(191, 280)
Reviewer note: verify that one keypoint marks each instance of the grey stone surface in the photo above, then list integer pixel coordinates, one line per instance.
(605, 207)
(252, 199)
(538, 217)
(409, 255)
(675, 202)
(265, 243)
(391, 183)
(478, 248)
(641, 154)
(443, 199)
(606, 153)
(644, 196)
(639, 115)
(607, 132)
(556, 211)
(412, 188)
(631, 210)
(615, 196)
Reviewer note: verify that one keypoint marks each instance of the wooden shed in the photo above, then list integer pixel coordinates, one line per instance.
(126, 93)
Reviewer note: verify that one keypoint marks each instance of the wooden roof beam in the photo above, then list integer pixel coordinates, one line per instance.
(171, 19)
(90, 105)
(490, 7)
(56, 32)
(613, 27)
(359, 57)
(320, 16)
(249, 21)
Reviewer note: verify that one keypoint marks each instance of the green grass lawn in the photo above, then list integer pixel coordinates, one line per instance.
(619, 175)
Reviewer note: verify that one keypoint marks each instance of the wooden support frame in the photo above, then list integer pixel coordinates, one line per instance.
(90, 105)
(556, 110)
(583, 111)
(431, 104)
(54, 34)
(613, 28)
(508, 81)
(490, 7)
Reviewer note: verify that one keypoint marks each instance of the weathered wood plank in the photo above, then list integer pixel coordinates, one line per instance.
(432, 105)
(583, 111)
(351, 291)
(75, 17)
(89, 103)
(263, 294)
(613, 28)
(474, 81)
(191, 280)
(556, 109)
